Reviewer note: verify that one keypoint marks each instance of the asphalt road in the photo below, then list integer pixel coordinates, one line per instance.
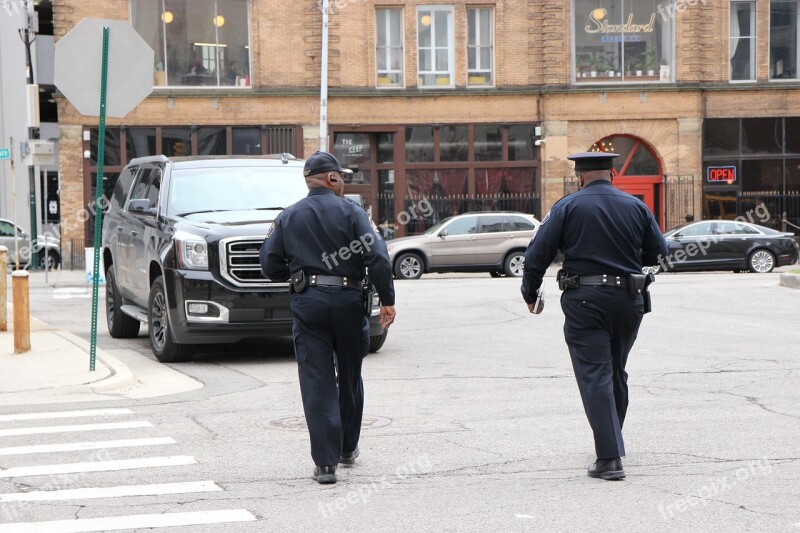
(473, 421)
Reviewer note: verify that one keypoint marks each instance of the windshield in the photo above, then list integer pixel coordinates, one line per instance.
(235, 189)
(436, 227)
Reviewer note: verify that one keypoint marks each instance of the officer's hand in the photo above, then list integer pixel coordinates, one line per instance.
(536, 311)
(387, 316)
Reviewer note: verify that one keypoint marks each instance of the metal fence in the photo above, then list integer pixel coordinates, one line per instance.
(77, 255)
(774, 209)
(678, 200)
(422, 212)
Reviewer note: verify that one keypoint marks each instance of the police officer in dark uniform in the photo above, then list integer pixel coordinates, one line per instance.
(606, 237)
(324, 244)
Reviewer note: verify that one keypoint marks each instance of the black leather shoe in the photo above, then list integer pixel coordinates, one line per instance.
(349, 458)
(325, 474)
(608, 469)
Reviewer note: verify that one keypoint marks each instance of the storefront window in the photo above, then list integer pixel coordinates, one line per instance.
(140, 142)
(112, 149)
(419, 144)
(212, 141)
(520, 142)
(389, 50)
(196, 42)
(453, 143)
(762, 136)
(176, 142)
(721, 137)
(246, 141)
(488, 143)
(623, 40)
(762, 175)
(784, 44)
(793, 135)
(743, 41)
(385, 148)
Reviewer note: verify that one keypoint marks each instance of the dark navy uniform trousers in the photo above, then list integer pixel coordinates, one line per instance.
(331, 338)
(600, 328)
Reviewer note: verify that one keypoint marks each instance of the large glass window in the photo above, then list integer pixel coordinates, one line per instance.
(784, 44)
(743, 41)
(196, 42)
(623, 40)
(435, 47)
(480, 43)
(389, 51)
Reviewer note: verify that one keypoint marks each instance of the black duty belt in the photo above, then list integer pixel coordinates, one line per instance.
(316, 280)
(604, 280)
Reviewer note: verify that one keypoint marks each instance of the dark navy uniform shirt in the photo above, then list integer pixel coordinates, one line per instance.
(327, 235)
(600, 230)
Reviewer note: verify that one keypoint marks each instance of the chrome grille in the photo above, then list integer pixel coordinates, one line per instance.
(239, 262)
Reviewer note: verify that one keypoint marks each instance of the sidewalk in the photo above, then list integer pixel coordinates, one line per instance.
(56, 369)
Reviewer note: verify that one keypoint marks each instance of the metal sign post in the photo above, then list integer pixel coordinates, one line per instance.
(98, 216)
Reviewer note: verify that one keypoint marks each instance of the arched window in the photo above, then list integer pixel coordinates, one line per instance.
(636, 158)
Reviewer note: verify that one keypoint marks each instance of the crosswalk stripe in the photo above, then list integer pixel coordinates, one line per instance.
(114, 523)
(80, 446)
(78, 427)
(183, 487)
(64, 414)
(97, 466)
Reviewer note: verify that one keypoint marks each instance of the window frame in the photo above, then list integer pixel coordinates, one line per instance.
(402, 72)
(490, 10)
(753, 44)
(450, 10)
(796, 44)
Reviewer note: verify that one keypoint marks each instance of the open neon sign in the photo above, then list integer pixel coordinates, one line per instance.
(724, 174)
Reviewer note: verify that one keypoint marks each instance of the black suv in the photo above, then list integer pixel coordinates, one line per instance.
(180, 251)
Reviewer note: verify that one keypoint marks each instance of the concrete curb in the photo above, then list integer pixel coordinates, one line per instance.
(790, 280)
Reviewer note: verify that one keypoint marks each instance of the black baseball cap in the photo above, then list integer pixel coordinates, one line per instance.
(588, 161)
(320, 162)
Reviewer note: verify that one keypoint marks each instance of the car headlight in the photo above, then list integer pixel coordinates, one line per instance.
(192, 253)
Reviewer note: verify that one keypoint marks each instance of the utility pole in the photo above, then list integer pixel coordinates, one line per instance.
(323, 85)
(28, 36)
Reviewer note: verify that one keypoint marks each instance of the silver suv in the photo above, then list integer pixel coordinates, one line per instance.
(493, 242)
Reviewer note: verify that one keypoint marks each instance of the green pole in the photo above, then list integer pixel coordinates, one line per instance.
(98, 212)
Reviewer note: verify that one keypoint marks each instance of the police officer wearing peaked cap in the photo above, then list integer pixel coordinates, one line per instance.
(606, 237)
(323, 244)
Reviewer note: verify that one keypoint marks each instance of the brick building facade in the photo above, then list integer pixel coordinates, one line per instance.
(448, 101)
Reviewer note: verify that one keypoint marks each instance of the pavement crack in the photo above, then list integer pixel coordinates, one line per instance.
(196, 420)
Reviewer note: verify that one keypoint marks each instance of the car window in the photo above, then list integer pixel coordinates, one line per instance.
(463, 226)
(140, 187)
(724, 228)
(741, 229)
(491, 224)
(703, 228)
(517, 223)
(6, 229)
(155, 187)
(123, 185)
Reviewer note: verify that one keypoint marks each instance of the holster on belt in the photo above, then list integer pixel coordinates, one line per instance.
(366, 296)
(299, 281)
(567, 281)
(638, 284)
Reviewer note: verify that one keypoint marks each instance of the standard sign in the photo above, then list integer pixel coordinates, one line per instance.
(5, 153)
(78, 66)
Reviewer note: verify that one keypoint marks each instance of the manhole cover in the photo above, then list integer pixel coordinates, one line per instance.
(298, 423)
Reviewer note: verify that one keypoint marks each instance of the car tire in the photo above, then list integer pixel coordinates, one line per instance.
(376, 342)
(761, 261)
(495, 274)
(120, 325)
(54, 260)
(164, 348)
(514, 264)
(409, 266)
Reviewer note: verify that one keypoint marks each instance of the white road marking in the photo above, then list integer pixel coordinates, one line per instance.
(111, 492)
(80, 446)
(78, 427)
(67, 293)
(131, 522)
(518, 515)
(97, 466)
(64, 414)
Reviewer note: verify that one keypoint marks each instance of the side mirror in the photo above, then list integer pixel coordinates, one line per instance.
(676, 236)
(141, 205)
(443, 234)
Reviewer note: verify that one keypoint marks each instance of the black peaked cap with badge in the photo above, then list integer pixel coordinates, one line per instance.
(588, 161)
(320, 162)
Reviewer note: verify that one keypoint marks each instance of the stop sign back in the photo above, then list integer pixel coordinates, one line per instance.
(78, 67)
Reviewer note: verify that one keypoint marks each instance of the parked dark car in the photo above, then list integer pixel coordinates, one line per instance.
(180, 251)
(728, 245)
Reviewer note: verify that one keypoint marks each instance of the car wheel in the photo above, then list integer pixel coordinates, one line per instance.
(495, 274)
(514, 265)
(376, 342)
(120, 325)
(408, 266)
(761, 261)
(161, 342)
(53, 260)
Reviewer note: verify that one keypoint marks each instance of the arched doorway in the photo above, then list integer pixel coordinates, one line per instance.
(637, 170)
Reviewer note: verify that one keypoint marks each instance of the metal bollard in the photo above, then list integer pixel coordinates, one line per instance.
(22, 310)
(4, 288)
